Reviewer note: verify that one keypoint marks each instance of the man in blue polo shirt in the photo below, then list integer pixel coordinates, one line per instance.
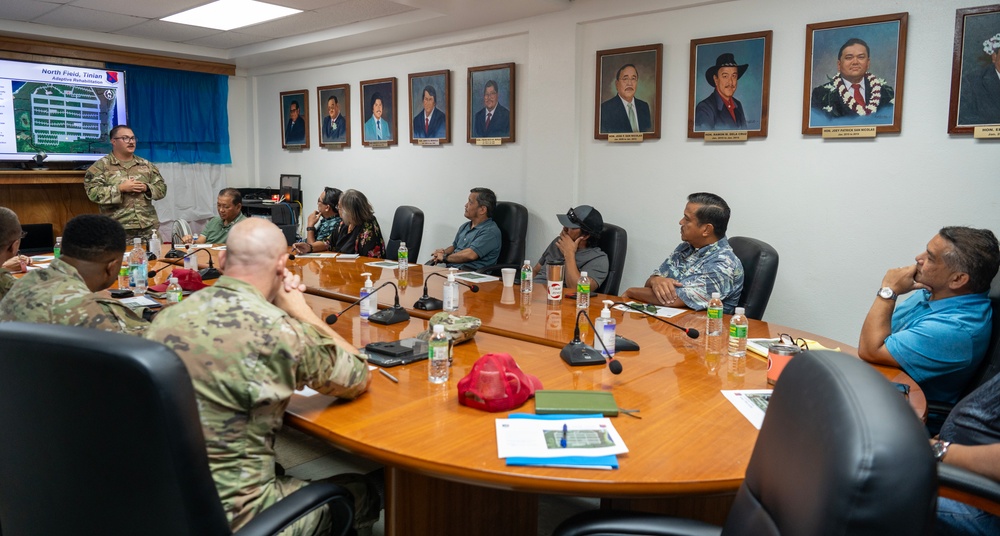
(939, 335)
(477, 243)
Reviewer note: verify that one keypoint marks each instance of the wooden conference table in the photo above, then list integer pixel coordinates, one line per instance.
(687, 455)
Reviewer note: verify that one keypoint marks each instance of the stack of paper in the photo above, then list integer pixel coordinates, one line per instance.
(578, 441)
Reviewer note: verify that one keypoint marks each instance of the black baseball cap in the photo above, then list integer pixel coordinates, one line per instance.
(583, 217)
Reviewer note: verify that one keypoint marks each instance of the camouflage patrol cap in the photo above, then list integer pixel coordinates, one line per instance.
(458, 329)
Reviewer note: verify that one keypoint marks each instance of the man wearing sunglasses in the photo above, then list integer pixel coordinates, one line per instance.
(125, 186)
(10, 242)
(577, 246)
(702, 264)
(939, 335)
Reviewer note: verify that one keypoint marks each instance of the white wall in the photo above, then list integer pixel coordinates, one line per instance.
(838, 212)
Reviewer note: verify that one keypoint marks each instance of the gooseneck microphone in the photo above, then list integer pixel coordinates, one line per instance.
(172, 263)
(577, 353)
(426, 303)
(691, 332)
(392, 315)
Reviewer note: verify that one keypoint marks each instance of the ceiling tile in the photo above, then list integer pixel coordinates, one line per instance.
(27, 11)
(168, 31)
(306, 5)
(145, 9)
(341, 14)
(87, 19)
(227, 40)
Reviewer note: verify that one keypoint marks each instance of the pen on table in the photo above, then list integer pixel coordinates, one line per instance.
(387, 375)
(562, 442)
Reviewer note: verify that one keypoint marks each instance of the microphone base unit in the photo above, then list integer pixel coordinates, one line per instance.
(174, 254)
(578, 354)
(426, 303)
(209, 273)
(625, 345)
(392, 315)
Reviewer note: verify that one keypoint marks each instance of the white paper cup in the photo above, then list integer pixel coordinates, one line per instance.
(508, 276)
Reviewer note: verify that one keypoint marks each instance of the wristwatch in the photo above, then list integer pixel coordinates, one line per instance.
(313, 229)
(887, 293)
(940, 449)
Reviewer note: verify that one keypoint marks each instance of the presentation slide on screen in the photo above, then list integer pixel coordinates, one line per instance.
(58, 109)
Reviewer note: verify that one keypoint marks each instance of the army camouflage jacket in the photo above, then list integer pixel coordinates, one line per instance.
(6, 281)
(59, 295)
(246, 357)
(132, 210)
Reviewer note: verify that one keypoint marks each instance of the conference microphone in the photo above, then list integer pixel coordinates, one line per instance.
(392, 315)
(691, 332)
(172, 263)
(577, 353)
(426, 303)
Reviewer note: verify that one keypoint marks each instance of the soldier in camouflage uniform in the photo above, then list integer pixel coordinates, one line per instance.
(125, 186)
(702, 264)
(10, 242)
(66, 292)
(248, 342)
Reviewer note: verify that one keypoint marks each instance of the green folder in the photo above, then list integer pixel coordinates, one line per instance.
(549, 401)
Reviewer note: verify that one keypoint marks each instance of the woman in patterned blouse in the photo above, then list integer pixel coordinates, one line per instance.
(358, 231)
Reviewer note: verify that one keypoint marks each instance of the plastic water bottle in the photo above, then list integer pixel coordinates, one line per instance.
(738, 343)
(437, 356)
(174, 291)
(155, 244)
(403, 264)
(123, 273)
(713, 330)
(138, 267)
(583, 291)
(526, 275)
(450, 294)
(57, 249)
(605, 331)
(367, 297)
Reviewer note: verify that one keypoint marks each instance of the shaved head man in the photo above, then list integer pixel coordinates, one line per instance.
(253, 333)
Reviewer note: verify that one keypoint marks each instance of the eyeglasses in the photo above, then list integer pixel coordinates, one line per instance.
(125, 139)
(647, 307)
(787, 340)
(575, 220)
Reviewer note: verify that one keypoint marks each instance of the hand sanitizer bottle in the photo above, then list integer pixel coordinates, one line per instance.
(605, 331)
(368, 297)
(450, 294)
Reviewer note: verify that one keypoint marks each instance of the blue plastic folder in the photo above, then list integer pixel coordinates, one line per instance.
(576, 462)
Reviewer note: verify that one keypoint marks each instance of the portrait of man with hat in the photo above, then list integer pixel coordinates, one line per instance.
(577, 246)
(721, 110)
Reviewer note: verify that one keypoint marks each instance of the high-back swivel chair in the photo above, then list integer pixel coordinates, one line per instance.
(512, 219)
(102, 436)
(613, 242)
(407, 226)
(840, 452)
(760, 268)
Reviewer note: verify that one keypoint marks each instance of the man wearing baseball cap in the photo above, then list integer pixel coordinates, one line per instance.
(577, 246)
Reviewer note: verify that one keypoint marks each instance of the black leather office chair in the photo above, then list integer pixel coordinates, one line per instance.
(614, 242)
(512, 219)
(760, 267)
(840, 452)
(407, 226)
(937, 411)
(970, 488)
(102, 436)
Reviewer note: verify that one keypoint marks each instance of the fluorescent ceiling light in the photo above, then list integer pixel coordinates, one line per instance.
(231, 14)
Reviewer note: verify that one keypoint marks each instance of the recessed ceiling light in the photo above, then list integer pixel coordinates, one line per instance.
(231, 14)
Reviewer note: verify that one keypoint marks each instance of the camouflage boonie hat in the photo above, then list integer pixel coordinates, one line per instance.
(458, 329)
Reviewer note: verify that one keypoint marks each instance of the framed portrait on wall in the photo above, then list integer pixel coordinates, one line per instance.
(730, 84)
(333, 104)
(975, 71)
(378, 111)
(430, 107)
(491, 104)
(294, 110)
(627, 101)
(854, 74)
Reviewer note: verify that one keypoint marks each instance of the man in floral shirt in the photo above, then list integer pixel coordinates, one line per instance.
(702, 264)
(854, 91)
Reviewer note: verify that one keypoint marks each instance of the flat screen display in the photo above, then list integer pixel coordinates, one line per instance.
(65, 112)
